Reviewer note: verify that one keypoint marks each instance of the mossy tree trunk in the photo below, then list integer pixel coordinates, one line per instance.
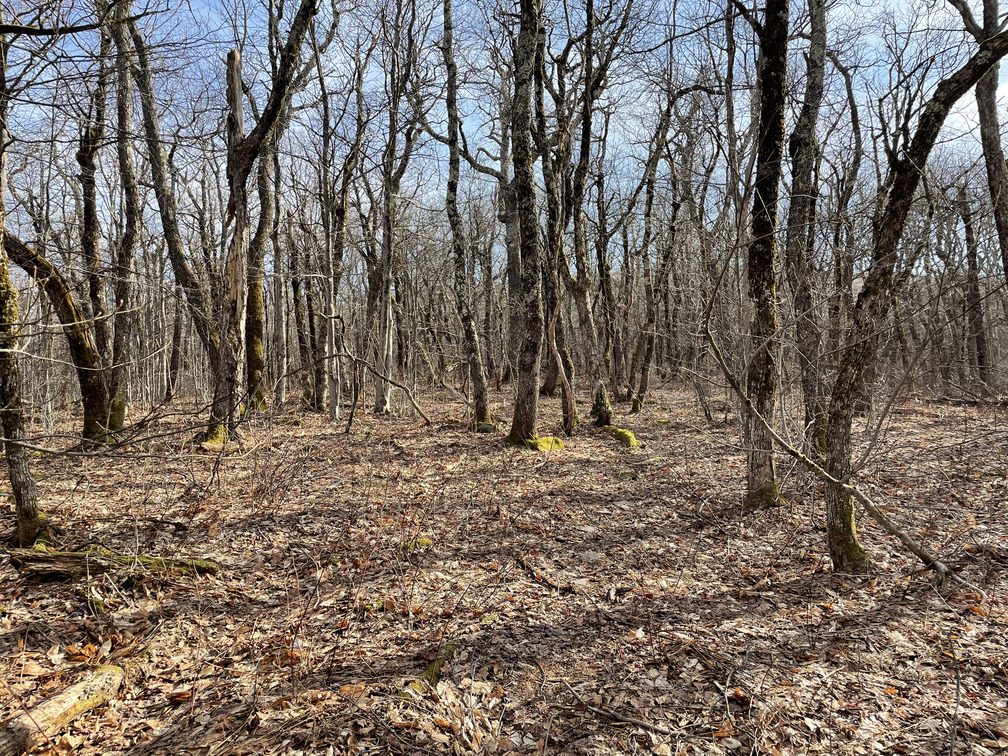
(761, 380)
(526, 408)
(255, 314)
(29, 522)
(857, 357)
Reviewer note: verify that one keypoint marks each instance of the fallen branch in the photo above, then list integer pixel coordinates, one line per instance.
(542, 578)
(379, 374)
(73, 564)
(617, 717)
(42, 722)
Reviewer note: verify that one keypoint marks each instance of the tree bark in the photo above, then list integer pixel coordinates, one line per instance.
(44, 721)
(124, 318)
(526, 408)
(974, 301)
(800, 237)
(762, 489)
(84, 353)
(243, 151)
(861, 344)
(462, 278)
(29, 522)
(990, 137)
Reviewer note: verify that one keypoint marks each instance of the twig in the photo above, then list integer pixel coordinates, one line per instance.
(617, 717)
(541, 577)
(409, 394)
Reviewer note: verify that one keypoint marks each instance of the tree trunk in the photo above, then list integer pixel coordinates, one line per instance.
(761, 381)
(800, 234)
(990, 137)
(83, 351)
(242, 153)
(974, 302)
(462, 279)
(225, 409)
(861, 345)
(125, 317)
(29, 522)
(175, 357)
(255, 313)
(42, 723)
(526, 409)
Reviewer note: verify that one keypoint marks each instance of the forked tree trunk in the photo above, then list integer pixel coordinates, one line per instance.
(243, 151)
(224, 411)
(861, 344)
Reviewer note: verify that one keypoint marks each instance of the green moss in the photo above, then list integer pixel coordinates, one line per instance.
(486, 428)
(540, 443)
(767, 497)
(627, 475)
(215, 438)
(423, 542)
(625, 437)
(432, 673)
(92, 603)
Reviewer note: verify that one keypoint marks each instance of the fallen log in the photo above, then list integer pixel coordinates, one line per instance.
(44, 721)
(75, 564)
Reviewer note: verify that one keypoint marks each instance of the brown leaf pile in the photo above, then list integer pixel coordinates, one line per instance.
(404, 589)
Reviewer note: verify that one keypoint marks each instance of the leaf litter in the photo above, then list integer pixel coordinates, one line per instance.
(404, 589)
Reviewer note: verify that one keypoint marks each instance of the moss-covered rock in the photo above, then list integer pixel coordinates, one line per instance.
(625, 437)
(93, 604)
(627, 475)
(486, 428)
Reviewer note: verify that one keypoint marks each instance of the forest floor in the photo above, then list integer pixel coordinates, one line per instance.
(594, 600)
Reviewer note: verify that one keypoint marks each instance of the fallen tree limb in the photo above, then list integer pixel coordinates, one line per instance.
(73, 564)
(42, 722)
(401, 387)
